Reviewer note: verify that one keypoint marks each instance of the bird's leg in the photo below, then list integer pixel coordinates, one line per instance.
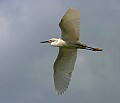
(83, 46)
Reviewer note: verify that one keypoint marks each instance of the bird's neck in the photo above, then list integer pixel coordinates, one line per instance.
(59, 43)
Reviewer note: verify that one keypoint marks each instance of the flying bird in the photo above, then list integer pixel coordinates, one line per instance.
(68, 45)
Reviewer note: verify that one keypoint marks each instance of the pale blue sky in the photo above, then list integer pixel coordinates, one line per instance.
(26, 72)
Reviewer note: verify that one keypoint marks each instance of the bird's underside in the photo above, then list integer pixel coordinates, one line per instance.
(64, 64)
(68, 45)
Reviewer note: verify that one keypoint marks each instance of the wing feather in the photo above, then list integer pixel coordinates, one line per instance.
(70, 25)
(63, 68)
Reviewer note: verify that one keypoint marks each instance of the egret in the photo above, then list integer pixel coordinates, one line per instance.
(68, 45)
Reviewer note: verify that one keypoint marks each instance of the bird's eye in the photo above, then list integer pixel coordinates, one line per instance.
(53, 40)
(50, 41)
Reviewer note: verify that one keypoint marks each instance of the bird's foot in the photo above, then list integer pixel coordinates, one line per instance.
(97, 49)
(94, 49)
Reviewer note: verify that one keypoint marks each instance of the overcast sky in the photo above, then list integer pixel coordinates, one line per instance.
(26, 66)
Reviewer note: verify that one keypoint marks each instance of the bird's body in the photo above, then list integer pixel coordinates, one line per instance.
(68, 45)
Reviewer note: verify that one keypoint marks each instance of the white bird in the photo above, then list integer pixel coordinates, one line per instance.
(68, 45)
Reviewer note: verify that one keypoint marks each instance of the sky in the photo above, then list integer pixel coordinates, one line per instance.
(26, 66)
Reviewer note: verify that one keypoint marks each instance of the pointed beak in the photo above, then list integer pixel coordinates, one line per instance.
(48, 41)
(45, 41)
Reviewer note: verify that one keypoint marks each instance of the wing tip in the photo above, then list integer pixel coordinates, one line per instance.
(72, 8)
(61, 89)
(60, 92)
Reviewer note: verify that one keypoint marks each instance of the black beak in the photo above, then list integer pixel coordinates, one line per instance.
(45, 41)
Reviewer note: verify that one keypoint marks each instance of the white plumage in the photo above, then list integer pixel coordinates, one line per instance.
(68, 45)
(63, 68)
(70, 25)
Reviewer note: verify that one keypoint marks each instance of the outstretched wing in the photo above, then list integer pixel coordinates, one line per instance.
(63, 68)
(70, 25)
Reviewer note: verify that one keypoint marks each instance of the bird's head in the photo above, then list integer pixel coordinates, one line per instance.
(50, 40)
